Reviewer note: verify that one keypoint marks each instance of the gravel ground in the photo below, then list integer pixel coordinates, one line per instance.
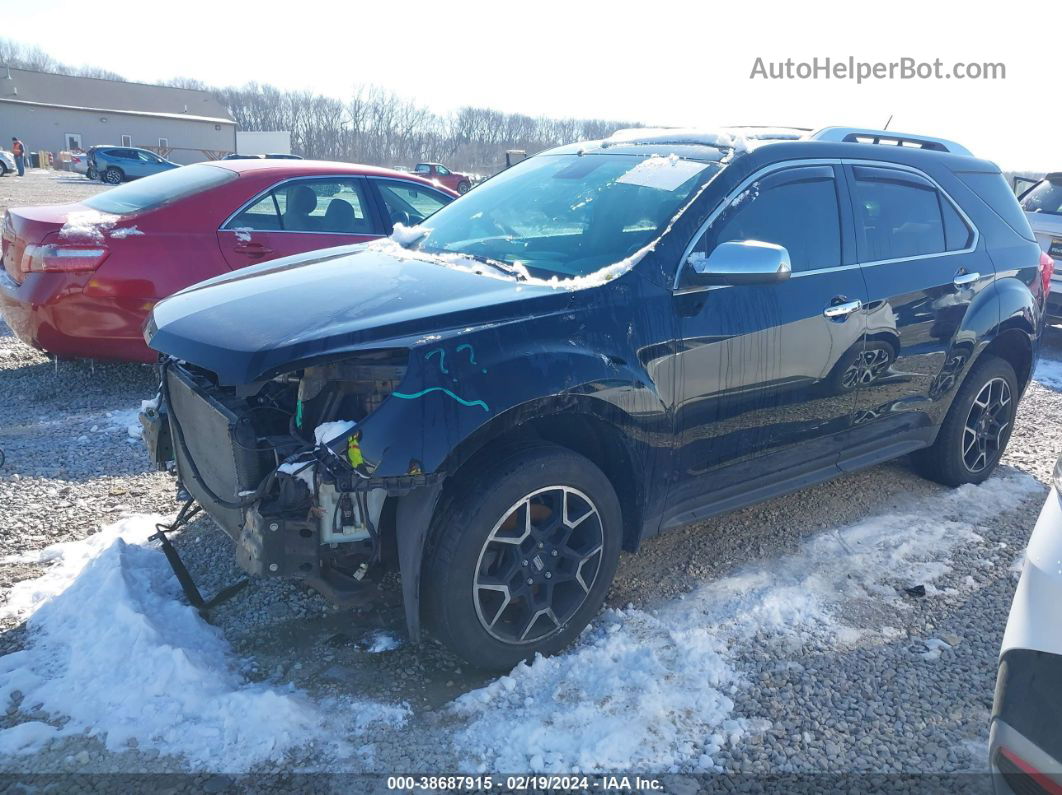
(72, 467)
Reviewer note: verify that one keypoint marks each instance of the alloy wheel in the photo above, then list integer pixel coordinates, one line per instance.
(538, 565)
(984, 433)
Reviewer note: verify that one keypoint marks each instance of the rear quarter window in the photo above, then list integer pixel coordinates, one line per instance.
(159, 189)
(993, 190)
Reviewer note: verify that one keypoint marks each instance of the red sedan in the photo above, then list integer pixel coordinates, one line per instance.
(441, 175)
(80, 279)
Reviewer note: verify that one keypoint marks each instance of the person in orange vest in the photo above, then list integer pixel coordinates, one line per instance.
(18, 149)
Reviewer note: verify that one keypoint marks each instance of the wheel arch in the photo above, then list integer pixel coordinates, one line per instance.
(593, 428)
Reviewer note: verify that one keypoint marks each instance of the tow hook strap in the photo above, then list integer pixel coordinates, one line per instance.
(191, 593)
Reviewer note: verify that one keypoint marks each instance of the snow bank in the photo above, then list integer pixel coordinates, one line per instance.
(115, 653)
(652, 690)
(637, 693)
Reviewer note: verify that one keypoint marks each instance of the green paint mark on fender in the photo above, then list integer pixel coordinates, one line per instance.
(424, 392)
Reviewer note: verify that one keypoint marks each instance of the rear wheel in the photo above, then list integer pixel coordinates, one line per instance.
(91, 173)
(523, 556)
(463, 187)
(977, 427)
(112, 176)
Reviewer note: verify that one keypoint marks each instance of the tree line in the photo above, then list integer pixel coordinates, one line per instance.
(373, 125)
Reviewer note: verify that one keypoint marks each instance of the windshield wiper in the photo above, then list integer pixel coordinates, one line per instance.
(497, 264)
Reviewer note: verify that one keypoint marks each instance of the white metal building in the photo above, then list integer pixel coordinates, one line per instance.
(54, 112)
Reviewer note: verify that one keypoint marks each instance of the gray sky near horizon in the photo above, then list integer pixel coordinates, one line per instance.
(665, 63)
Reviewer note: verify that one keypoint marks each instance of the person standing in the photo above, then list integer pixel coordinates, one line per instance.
(18, 149)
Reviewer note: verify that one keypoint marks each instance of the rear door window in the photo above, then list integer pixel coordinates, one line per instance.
(899, 214)
(333, 205)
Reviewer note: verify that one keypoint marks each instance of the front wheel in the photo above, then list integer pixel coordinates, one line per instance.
(112, 176)
(463, 187)
(978, 425)
(523, 556)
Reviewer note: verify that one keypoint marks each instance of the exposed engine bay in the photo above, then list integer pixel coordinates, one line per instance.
(279, 466)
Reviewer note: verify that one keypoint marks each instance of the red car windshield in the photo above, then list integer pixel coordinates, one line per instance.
(158, 189)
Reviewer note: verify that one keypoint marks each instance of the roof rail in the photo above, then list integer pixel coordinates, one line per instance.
(864, 136)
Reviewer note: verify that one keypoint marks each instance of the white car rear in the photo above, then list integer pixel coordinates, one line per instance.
(1026, 736)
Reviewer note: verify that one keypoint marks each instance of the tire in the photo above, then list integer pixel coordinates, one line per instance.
(463, 188)
(91, 173)
(477, 598)
(968, 448)
(3, 170)
(112, 176)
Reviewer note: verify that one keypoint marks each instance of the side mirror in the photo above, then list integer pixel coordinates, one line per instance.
(741, 262)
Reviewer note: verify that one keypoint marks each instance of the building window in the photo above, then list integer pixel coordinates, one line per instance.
(73, 141)
(164, 143)
(127, 140)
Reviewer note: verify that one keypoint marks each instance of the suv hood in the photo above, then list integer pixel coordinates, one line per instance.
(279, 316)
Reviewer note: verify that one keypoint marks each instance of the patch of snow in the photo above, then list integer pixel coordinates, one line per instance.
(127, 420)
(1049, 373)
(113, 652)
(408, 235)
(243, 233)
(329, 431)
(652, 690)
(381, 641)
(87, 225)
(303, 470)
(124, 232)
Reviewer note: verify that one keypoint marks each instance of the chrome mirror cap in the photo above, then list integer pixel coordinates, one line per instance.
(742, 262)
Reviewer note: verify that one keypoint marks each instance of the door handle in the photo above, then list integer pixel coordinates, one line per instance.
(252, 249)
(842, 310)
(963, 279)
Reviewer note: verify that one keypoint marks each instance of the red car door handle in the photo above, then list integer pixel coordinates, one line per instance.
(252, 249)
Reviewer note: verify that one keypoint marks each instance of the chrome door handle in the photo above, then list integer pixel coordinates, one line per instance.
(963, 279)
(840, 311)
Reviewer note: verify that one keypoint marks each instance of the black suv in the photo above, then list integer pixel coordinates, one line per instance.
(607, 340)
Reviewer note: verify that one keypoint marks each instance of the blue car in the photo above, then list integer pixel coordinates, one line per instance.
(116, 164)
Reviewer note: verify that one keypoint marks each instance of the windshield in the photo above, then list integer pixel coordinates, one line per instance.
(159, 189)
(1046, 197)
(567, 215)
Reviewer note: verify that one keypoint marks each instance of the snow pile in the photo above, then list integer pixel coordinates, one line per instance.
(1049, 373)
(87, 226)
(636, 693)
(113, 652)
(651, 690)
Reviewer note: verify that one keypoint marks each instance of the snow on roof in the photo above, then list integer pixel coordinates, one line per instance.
(720, 139)
(181, 116)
